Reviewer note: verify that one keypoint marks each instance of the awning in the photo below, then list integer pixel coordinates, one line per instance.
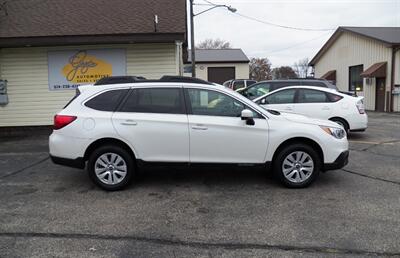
(330, 75)
(375, 70)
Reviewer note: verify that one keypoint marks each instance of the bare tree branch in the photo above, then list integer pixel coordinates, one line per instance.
(284, 72)
(260, 69)
(301, 68)
(214, 44)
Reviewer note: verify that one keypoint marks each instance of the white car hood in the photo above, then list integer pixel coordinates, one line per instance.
(308, 120)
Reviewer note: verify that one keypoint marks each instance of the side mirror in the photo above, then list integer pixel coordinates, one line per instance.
(263, 101)
(248, 116)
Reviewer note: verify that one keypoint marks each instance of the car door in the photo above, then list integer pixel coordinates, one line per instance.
(282, 100)
(218, 134)
(313, 103)
(154, 122)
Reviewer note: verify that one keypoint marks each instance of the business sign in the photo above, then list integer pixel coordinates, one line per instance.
(69, 69)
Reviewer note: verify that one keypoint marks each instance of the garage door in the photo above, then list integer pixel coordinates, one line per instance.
(220, 74)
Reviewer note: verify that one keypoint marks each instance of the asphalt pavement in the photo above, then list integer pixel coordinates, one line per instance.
(49, 210)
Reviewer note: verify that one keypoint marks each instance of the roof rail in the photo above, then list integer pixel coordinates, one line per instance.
(119, 79)
(173, 78)
(307, 78)
(137, 79)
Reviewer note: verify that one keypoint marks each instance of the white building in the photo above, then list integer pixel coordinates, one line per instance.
(47, 49)
(366, 60)
(219, 65)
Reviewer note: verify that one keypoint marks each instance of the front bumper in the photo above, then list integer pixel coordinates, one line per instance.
(340, 162)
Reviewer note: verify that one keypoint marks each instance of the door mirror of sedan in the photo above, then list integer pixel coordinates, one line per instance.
(248, 116)
(263, 101)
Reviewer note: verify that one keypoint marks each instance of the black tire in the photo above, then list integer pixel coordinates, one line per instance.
(284, 153)
(127, 158)
(341, 122)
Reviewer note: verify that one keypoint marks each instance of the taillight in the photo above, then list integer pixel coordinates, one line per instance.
(61, 121)
(360, 106)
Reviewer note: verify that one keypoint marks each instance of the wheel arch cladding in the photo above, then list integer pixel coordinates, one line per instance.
(108, 141)
(302, 140)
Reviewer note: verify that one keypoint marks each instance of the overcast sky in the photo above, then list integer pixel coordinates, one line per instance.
(286, 46)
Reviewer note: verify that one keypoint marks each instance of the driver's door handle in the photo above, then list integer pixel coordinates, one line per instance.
(199, 127)
(129, 122)
(289, 108)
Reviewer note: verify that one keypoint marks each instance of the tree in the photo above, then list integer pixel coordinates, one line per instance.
(301, 67)
(214, 44)
(284, 72)
(260, 69)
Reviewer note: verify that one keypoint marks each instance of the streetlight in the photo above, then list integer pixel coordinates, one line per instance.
(192, 15)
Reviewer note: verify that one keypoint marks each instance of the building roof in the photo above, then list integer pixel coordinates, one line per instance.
(390, 36)
(83, 19)
(234, 55)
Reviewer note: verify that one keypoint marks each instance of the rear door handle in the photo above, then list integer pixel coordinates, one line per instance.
(199, 127)
(288, 108)
(129, 122)
(325, 108)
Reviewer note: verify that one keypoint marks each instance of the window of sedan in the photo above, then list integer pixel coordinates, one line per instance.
(312, 96)
(281, 97)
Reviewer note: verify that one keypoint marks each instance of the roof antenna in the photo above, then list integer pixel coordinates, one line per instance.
(155, 22)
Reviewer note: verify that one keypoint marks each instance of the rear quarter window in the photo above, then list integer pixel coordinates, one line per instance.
(333, 97)
(107, 101)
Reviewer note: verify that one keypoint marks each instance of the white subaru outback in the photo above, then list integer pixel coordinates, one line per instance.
(114, 129)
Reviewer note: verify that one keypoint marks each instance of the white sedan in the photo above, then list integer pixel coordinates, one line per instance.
(319, 103)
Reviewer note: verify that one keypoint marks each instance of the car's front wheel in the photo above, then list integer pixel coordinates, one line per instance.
(297, 165)
(111, 167)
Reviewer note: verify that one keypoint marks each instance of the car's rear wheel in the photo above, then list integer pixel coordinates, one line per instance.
(342, 123)
(111, 167)
(297, 165)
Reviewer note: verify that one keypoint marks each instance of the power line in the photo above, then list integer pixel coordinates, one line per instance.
(281, 26)
(298, 44)
(275, 24)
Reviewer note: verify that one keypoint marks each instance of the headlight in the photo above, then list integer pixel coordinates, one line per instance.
(338, 133)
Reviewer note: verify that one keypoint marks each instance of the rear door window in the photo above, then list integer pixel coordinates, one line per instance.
(312, 96)
(107, 101)
(281, 97)
(155, 100)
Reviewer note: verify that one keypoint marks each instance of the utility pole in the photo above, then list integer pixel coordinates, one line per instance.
(192, 47)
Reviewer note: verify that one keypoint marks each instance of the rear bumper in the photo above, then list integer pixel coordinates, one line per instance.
(359, 130)
(358, 122)
(340, 162)
(75, 163)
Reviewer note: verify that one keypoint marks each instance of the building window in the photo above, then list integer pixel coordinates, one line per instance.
(187, 69)
(356, 82)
